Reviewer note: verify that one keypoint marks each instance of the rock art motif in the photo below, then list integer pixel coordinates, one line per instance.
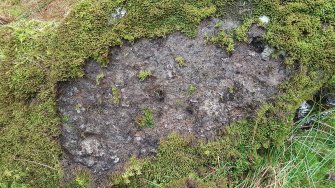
(105, 113)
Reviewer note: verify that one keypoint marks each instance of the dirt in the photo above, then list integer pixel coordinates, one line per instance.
(101, 133)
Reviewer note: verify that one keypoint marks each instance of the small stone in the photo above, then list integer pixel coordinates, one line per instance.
(264, 19)
(266, 54)
(143, 151)
(331, 176)
(170, 74)
(194, 101)
(252, 54)
(303, 110)
(330, 100)
(119, 13)
(91, 146)
(116, 160)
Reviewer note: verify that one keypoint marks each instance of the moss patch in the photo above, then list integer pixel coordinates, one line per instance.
(305, 31)
(36, 55)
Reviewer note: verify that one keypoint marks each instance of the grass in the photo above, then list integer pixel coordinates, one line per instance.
(38, 54)
(56, 10)
(306, 159)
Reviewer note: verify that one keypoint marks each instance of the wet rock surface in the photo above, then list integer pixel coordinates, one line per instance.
(101, 111)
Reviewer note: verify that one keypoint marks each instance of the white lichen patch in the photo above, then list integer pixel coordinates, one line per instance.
(264, 19)
(119, 13)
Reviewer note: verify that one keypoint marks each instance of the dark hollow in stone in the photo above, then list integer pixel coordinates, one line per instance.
(258, 44)
(102, 135)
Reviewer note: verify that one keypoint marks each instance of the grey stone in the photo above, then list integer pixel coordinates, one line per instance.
(105, 135)
(266, 54)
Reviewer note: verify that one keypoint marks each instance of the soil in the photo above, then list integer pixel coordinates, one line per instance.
(101, 133)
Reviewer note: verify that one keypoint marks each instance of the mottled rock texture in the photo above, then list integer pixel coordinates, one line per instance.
(102, 110)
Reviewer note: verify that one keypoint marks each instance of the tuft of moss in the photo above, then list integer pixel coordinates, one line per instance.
(99, 78)
(191, 89)
(116, 95)
(305, 31)
(144, 74)
(82, 179)
(240, 33)
(35, 55)
(146, 120)
(224, 41)
(180, 60)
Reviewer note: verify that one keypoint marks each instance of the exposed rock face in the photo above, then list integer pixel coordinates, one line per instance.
(101, 110)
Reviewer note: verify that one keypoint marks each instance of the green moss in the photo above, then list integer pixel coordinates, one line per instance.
(144, 74)
(240, 32)
(36, 55)
(134, 168)
(192, 182)
(191, 89)
(99, 78)
(224, 41)
(180, 61)
(82, 179)
(116, 95)
(146, 120)
(305, 31)
(176, 159)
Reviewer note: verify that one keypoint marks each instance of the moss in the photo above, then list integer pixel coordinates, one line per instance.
(240, 33)
(134, 168)
(146, 120)
(180, 61)
(176, 159)
(191, 89)
(99, 78)
(36, 55)
(82, 179)
(116, 95)
(224, 41)
(191, 182)
(144, 74)
(305, 31)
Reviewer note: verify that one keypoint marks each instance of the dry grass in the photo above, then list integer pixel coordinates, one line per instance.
(34, 9)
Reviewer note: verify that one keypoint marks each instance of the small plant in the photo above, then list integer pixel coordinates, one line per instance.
(231, 89)
(99, 77)
(144, 74)
(191, 89)
(180, 61)
(66, 119)
(146, 120)
(116, 95)
(78, 108)
(241, 31)
(224, 41)
(218, 25)
(133, 169)
(82, 180)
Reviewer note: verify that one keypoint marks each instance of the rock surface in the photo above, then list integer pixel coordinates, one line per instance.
(100, 128)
